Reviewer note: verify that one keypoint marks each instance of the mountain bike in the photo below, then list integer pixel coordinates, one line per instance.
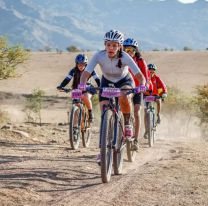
(151, 123)
(79, 124)
(112, 138)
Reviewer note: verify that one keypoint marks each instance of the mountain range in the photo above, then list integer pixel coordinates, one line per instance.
(155, 24)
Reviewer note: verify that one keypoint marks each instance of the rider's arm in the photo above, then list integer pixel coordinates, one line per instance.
(143, 67)
(161, 84)
(88, 70)
(96, 78)
(135, 69)
(67, 78)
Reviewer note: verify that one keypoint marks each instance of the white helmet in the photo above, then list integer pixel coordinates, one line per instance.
(114, 35)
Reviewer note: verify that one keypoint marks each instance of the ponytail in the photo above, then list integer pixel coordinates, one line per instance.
(138, 54)
(120, 54)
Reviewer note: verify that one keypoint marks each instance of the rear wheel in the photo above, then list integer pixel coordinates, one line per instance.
(118, 154)
(150, 128)
(74, 127)
(106, 136)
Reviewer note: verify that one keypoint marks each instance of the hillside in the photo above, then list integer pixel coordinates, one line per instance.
(154, 23)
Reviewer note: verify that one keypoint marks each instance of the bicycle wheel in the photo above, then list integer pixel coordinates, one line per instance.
(118, 153)
(74, 127)
(131, 154)
(86, 130)
(106, 136)
(150, 128)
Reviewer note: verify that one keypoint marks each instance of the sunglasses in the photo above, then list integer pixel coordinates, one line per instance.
(130, 49)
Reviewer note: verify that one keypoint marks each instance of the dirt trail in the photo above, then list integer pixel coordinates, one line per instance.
(48, 172)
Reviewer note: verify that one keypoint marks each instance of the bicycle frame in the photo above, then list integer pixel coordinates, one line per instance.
(113, 105)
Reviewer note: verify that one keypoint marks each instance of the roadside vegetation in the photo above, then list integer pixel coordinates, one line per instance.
(10, 58)
(33, 106)
(182, 109)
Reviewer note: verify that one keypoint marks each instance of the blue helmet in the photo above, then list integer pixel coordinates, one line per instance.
(152, 66)
(81, 58)
(131, 42)
(114, 35)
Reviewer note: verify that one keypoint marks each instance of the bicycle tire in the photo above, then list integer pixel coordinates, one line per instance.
(150, 128)
(86, 130)
(118, 154)
(106, 151)
(74, 130)
(131, 154)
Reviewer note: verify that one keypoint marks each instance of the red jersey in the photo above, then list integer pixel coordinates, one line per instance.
(159, 86)
(143, 67)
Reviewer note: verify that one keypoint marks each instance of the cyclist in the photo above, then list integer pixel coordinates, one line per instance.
(159, 89)
(114, 64)
(132, 48)
(81, 61)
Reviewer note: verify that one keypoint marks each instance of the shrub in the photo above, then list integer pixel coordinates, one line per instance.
(72, 48)
(186, 48)
(4, 117)
(34, 105)
(201, 101)
(10, 57)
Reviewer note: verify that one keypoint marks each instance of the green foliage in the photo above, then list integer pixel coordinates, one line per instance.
(156, 49)
(4, 117)
(201, 101)
(34, 105)
(177, 100)
(95, 100)
(72, 48)
(186, 48)
(10, 57)
(47, 49)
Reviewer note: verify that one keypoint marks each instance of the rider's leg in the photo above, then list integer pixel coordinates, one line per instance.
(137, 119)
(125, 104)
(86, 98)
(158, 102)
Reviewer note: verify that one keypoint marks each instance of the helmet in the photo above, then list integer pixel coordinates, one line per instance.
(81, 58)
(114, 35)
(152, 66)
(130, 42)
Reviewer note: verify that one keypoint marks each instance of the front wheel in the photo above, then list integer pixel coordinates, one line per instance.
(106, 137)
(118, 154)
(86, 130)
(74, 127)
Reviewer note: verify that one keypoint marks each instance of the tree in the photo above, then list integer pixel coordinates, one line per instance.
(72, 48)
(10, 57)
(186, 48)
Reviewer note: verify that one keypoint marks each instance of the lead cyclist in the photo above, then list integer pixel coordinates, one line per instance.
(114, 63)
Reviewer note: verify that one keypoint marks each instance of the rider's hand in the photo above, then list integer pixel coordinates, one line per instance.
(82, 86)
(164, 95)
(141, 88)
(92, 90)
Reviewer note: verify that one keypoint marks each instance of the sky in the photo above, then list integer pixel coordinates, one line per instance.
(187, 1)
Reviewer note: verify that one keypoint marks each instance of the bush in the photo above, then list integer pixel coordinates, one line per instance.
(72, 48)
(34, 105)
(178, 101)
(201, 101)
(178, 109)
(4, 117)
(10, 57)
(186, 48)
